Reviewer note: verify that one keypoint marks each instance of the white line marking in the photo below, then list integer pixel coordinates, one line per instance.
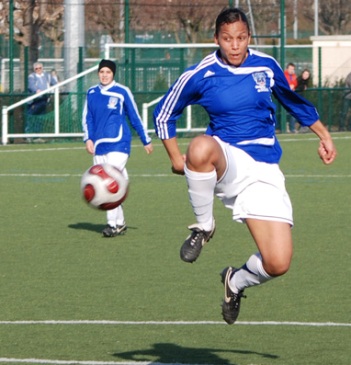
(74, 362)
(338, 176)
(77, 175)
(43, 149)
(183, 323)
(280, 138)
(318, 176)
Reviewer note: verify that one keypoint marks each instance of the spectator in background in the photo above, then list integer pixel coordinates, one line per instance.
(37, 81)
(54, 76)
(346, 106)
(290, 76)
(303, 83)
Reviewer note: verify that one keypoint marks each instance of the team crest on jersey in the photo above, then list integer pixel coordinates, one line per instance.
(260, 79)
(112, 102)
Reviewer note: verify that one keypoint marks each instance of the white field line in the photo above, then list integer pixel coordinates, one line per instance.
(76, 362)
(89, 362)
(106, 322)
(337, 176)
(78, 175)
(155, 144)
(182, 323)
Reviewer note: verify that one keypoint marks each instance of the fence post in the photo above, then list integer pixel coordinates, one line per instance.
(4, 125)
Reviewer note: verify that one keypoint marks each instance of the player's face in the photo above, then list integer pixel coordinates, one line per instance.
(233, 40)
(38, 69)
(105, 76)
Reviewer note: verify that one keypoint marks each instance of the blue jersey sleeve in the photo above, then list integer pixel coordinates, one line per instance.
(299, 107)
(181, 94)
(134, 117)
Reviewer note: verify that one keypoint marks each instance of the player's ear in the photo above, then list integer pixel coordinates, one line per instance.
(215, 38)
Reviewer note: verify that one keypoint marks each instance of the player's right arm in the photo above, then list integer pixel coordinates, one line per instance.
(87, 128)
(174, 154)
(181, 94)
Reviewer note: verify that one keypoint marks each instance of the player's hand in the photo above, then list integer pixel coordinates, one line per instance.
(327, 151)
(89, 146)
(149, 148)
(178, 166)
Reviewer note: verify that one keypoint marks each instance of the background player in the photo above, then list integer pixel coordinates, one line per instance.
(107, 135)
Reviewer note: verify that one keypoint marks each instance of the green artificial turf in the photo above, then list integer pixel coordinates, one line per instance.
(68, 294)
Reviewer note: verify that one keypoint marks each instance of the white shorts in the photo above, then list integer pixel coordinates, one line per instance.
(253, 189)
(116, 159)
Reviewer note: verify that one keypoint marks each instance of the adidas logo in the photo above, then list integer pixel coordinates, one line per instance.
(209, 73)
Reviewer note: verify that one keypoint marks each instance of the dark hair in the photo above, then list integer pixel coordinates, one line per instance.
(231, 15)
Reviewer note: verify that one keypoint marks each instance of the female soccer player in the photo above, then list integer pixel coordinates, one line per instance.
(107, 135)
(237, 158)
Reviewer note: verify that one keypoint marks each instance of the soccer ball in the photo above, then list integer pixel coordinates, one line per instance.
(104, 187)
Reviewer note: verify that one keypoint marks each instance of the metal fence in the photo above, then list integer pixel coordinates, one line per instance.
(148, 70)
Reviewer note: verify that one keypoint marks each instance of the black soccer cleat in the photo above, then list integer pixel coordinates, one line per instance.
(109, 231)
(231, 302)
(193, 244)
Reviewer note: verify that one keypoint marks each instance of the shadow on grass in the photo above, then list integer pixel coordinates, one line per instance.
(86, 226)
(93, 227)
(167, 353)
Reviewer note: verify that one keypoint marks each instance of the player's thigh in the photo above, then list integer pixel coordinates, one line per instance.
(116, 159)
(119, 160)
(274, 241)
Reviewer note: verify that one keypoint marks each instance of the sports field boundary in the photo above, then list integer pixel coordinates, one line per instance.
(183, 323)
(156, 143)
(76, 362)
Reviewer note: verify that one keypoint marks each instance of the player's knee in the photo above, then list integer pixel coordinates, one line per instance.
(199, 151)
(277, 268)
(204, 154)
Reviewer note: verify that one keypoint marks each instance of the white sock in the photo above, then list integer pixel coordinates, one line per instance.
(115, 217)
(250, 274)
(201, 187)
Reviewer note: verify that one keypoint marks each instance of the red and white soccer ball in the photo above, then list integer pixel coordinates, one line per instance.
(104, 187)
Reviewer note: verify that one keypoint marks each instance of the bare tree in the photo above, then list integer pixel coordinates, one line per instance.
(106, 16)
(53, 26)
(264, 16)
(195, 19)
(32, 18)
(334, 15)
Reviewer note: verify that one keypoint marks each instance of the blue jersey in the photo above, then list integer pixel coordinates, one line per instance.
(105, 119)
(40, 82)
(238, 101)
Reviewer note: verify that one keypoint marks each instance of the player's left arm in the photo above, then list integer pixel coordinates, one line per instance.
(131, 111)
(89, 146)
(327, 151)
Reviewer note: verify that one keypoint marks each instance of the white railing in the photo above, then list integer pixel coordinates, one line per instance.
(188, 109)
(51, 90)
(55, 90)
